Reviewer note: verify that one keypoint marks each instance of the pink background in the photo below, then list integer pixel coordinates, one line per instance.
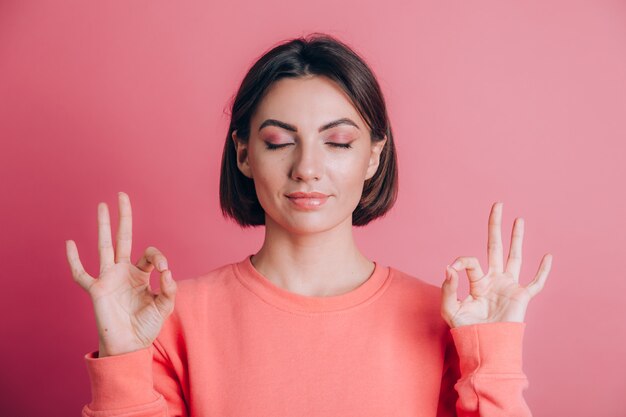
(520, 102)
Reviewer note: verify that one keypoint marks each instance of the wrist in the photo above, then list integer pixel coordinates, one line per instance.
(116, 351)
(494, 347)
(102, 353)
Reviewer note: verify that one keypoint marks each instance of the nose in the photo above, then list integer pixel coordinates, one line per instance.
(308, 162)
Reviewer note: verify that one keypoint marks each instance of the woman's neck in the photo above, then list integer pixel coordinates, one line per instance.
(317, 264)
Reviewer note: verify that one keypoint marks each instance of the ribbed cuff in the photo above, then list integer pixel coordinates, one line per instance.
(122, 380)
(489, 348)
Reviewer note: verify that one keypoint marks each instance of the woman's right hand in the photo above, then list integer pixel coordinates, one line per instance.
(129, 316)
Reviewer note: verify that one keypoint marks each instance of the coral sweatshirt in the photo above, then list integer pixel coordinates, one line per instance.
(238, 345)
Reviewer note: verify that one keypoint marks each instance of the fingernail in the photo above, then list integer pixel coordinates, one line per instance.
(162, 265)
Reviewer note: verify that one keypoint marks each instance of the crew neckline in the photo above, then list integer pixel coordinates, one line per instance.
(260, 285)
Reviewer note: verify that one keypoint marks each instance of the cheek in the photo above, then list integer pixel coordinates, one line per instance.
(349, 180)
(264, 181)
(352, 169)
(263, 167)
(268, 181)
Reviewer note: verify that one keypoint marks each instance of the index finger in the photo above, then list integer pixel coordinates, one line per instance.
(124, 236)
(494, 243)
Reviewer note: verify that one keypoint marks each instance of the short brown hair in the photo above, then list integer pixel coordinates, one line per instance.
(316, 54)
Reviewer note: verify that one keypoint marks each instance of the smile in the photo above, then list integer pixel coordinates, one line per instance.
(310, 203)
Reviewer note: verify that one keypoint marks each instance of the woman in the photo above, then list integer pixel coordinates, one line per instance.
(307, 326)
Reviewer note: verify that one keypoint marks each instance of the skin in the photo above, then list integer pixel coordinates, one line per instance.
(311, 253)
(496, 296)
(129, 316)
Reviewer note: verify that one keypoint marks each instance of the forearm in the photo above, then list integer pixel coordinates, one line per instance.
(491, 379)
(122, 385)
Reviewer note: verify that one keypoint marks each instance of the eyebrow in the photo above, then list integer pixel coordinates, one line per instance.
(287, 126)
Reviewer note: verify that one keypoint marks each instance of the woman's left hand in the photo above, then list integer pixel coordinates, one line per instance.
(497, 295)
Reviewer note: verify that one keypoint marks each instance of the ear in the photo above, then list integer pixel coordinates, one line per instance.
(377, 148)
(242, 155)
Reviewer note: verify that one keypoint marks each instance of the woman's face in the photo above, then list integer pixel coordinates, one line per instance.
(311, 154)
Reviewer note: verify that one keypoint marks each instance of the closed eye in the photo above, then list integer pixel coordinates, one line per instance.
(340, 145)
(271, 146)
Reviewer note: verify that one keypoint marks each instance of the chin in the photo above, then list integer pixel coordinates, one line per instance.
(298, 225)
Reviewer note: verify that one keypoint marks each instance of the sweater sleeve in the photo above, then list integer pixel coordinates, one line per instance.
(483, 374)
(138, 384)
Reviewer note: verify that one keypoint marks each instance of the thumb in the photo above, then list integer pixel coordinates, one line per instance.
(165, 299)
(449, 302)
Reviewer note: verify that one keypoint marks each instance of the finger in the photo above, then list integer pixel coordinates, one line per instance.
(514, 261)
(151, 258)
(125, 229)
(537, 284)
(471, 265)
(164, 301)
(449, 299)
(494, 242)
(78, 272)
(105, 245)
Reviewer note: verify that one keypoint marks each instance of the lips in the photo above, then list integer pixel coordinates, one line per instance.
(307, 201)
(307, 195)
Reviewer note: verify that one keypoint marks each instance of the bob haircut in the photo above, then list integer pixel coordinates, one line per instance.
(323, 55)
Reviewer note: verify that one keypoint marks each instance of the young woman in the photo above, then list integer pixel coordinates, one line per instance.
(308, 325)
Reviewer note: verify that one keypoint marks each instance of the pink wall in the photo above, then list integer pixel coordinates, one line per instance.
(521, 102)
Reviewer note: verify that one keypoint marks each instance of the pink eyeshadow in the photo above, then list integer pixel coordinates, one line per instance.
(340, 137)
(273, 138)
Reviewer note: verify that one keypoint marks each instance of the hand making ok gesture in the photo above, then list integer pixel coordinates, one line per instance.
(129, 315)
(497, 295)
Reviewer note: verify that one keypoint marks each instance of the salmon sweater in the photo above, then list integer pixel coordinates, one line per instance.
(238, 345)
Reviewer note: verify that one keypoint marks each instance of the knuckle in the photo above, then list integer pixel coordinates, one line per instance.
(165, 307)
(150, 254)
(465, 260)
(104, 243)
(124, 235)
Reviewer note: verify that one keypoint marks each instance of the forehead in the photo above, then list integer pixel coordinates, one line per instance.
(307, 103)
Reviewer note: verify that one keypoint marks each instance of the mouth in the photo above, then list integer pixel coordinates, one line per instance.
(313, 194)
(310, 202)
